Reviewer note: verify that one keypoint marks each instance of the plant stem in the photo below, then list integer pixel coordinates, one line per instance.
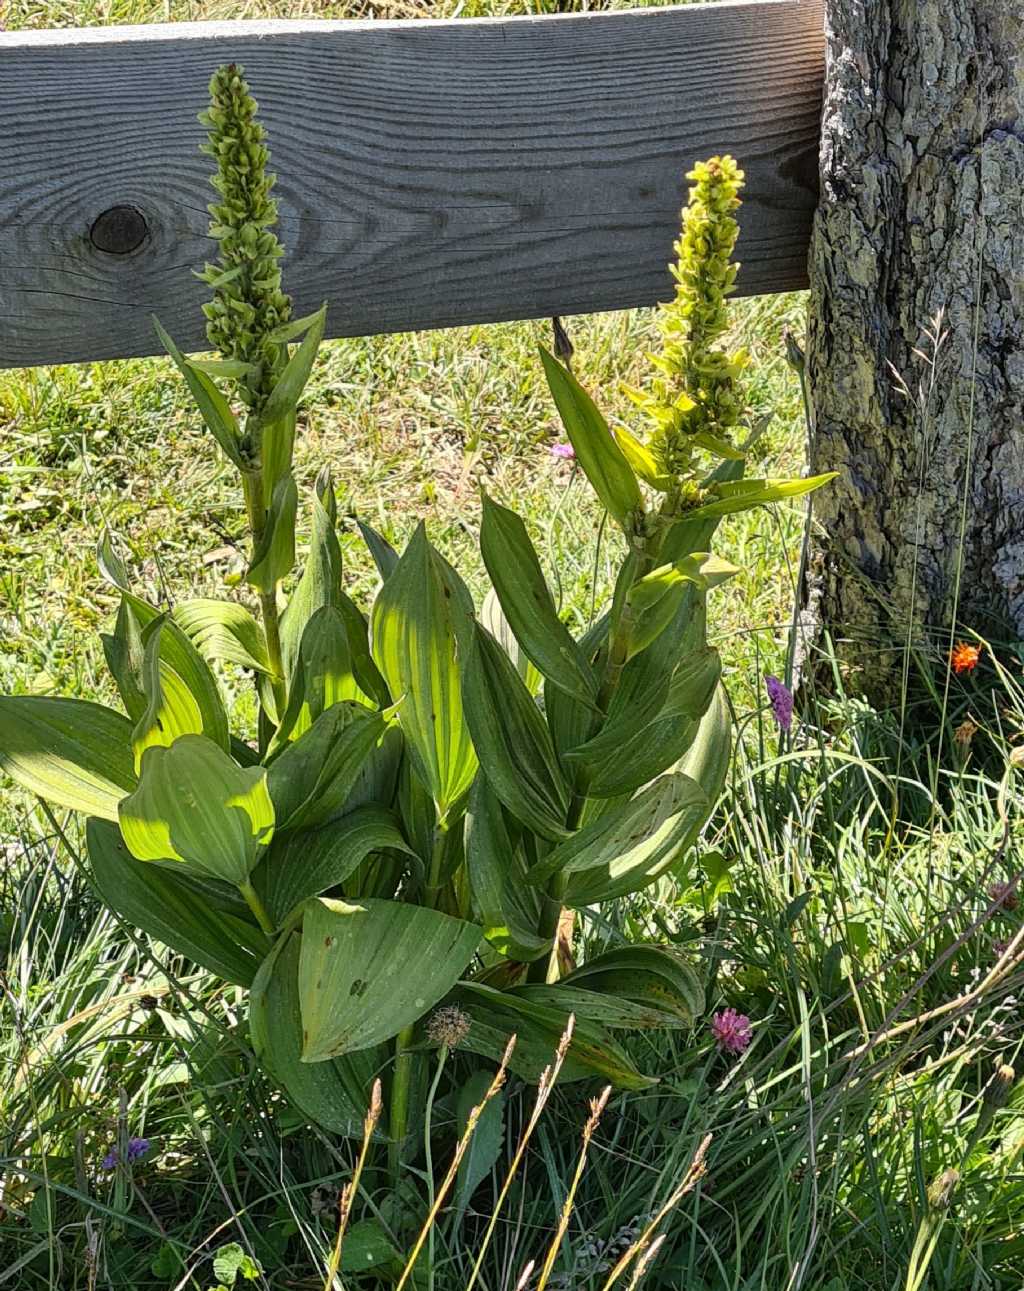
(442, 1056)
(401, 1086)
(405, 1059)
(255, 507)
(253, 901)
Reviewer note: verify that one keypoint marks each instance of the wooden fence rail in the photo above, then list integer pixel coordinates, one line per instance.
(429, 173)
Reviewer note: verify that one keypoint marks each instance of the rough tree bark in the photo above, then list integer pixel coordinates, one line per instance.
(921, 214)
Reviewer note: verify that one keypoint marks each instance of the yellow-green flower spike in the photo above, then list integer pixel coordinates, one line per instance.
(248, 303)
(695, 398)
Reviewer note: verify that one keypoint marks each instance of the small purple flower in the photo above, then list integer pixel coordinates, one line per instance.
(563, 452)
(999, 948)
(135, 1151)
(732, 1031)
(782, 701)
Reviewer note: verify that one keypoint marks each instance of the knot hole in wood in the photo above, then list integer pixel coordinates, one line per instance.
(118, 230)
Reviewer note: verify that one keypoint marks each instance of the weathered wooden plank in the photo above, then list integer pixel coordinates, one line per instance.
(430, 173)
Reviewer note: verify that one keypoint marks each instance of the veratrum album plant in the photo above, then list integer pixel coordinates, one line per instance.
(432, 783)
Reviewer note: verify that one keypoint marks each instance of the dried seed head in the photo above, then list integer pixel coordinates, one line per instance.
(997, 1091)
(448, 1026)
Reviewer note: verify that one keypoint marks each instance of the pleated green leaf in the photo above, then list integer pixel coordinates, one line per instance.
(414, 632)
(333, 1094)
(125, 656)
(304, 863)
(384, 555)
(742, 495)
(602, 460)
(626, 849)
(320, 583)
(196, 806)
(369, 969)
(224, 631)
(509, 907)
(274, 557)
(512, 740)
(153, 899)
(292, 381)
(527, 604)
(497, 1015)
(656, 978)
(212, 405)
(312, 778)
(706, 761)
(492, 617)
(609, 1011)
(73, 753)
(321, 677)
(182, 697)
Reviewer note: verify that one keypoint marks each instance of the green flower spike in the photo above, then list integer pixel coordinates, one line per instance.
(696, 399)
(248, 304)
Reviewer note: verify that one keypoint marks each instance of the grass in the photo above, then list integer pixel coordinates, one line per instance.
(847, 913)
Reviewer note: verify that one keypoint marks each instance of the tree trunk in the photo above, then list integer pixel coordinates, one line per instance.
(920, 230)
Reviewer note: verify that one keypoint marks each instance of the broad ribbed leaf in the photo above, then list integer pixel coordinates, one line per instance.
(311, 779)
(292, 381)
(125, 656)
(602, 460)
(570, 721)
(496, 1015)
(153, 899)
(657, 978)
(609, 1011)
(509, 907)
(527, 605)
(212, 405)
(224, 631)
(493, 619)
(181, 691)
(274, 557)
(320, 583)
(195, 805)
(683, 694)
(332, 1094)
(629, 848)
(72, 753)
(322, 675)
(414, 645)
(304, 863)
(384, 555)
(706, 761)
(369, 969)
(745, 494)
(512, 740)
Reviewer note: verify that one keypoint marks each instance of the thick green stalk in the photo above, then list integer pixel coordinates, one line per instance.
(405, 1059)
(252, 488)
(255, 904)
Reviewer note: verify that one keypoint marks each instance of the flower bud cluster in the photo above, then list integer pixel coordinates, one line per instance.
(696, 397)
(248, 303)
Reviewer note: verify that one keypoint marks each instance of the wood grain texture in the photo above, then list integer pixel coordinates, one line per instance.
(429, 173)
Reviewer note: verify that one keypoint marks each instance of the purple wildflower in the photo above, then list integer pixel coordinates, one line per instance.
(999, 948)
(732, 1031)
(135, 1151)
(563, 452)
(782, 701)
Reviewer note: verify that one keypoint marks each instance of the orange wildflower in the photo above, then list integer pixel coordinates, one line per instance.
(964, 657)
